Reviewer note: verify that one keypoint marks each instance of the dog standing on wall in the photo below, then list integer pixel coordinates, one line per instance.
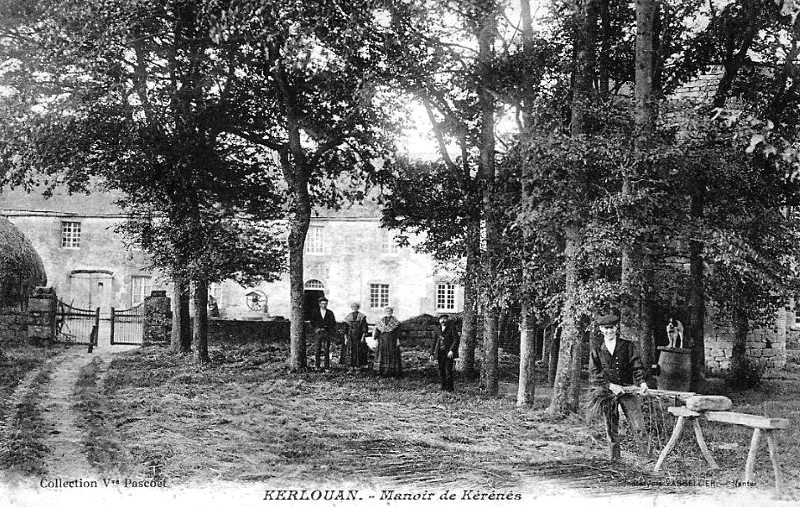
(674, 332)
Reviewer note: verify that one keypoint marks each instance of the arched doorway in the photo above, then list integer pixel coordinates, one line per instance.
(90, 288)
(313, 290)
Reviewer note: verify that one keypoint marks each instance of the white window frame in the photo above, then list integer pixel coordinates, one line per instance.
(314, 284)
(379, 295)
(445, 297)
(315, 239)
(70, 234)
(145, 286)
(389, 244)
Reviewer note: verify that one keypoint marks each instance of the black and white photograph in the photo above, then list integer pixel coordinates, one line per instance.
(399, 253)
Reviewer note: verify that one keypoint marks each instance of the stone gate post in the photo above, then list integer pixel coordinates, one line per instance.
(157, 318)
(42, 306)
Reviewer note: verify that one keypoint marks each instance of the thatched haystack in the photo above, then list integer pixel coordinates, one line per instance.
(21, 268)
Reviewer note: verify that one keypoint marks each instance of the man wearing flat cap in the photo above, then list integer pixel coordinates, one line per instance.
(614, 363)
(323, 323)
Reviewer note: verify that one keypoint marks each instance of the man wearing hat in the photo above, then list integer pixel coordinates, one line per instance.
(323, 323)
(445, 350)
(613, 363)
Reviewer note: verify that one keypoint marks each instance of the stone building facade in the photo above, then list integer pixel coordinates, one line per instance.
(771, 346)
(766, 346)
(348, 258)
(87, 262)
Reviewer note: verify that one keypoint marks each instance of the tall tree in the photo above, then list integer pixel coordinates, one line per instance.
(635, 320)
(487, 32)
(134, 93)
(566, 390)
(526, 388)
(305, 88)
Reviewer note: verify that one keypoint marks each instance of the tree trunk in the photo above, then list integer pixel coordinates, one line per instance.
(634, 318)
(527, 339)
(469, 324)
(697, 302)
(736, 57)
(503, 333)
(647, 338)
(200, 338)
(489, 365)
(528, 49)
(181, 335)
(566, 392)
(297, 173)
(741, 326)
(552, 362)
(658, 60)
(547, 341)
(645, 115)
(527, 357)
(298, 229)
(604, 59)
(486, 35)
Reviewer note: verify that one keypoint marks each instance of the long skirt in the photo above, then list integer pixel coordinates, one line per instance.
(356, 351)
(387, 356)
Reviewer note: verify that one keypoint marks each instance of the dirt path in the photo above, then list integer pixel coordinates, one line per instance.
(20, 392)
(66, 457)
(8, 428)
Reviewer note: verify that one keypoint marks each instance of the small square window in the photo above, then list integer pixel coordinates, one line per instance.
(445, 297)
(314, 240)
(378, 295)
(140, 288)
(70, 234)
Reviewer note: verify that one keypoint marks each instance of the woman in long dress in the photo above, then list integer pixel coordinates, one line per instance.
(355, 350)
(387, 355)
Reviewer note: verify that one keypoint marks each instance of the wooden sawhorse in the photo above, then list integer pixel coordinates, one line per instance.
(759, 424)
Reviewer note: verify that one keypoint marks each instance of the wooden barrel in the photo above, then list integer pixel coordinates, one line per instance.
(676, 369)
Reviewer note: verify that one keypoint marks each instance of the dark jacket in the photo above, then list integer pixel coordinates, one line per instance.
(445, 340)
(623, 368)
(328, 324)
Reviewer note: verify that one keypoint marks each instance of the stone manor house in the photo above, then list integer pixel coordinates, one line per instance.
(348, 258)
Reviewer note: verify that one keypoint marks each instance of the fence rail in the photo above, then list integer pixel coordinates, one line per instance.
(127, 326)
(76, 325)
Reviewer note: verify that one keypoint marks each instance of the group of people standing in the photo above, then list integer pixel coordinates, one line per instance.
(386, 360)
(614, 363)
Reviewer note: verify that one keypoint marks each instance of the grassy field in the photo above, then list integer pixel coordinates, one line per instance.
(21, 424)
(246, 419)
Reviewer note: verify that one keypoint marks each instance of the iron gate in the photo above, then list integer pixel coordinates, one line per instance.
(76, 325)
(127, 326)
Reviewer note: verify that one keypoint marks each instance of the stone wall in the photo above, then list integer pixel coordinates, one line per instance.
(157, 319)
(702, 87)
(13, 326)
(765, 346)
(247, 331)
